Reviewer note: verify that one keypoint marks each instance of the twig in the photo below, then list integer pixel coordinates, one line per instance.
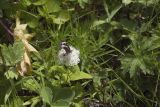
(6, 28)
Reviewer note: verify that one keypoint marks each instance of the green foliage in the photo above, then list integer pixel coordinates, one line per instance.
(46, 94)
(68, 74)
(13, 54)
(119, 47)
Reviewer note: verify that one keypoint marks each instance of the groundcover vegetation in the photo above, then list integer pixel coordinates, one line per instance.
(80, 53)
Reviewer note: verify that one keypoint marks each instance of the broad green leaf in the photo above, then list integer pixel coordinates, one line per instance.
(60, 103)
(65, 94)
(126, 2)
(61, 18)
(98, 22)
(52, 6)
(78, 75)
(31, 19)
(46, 94)
(13, 54)
(71, 74)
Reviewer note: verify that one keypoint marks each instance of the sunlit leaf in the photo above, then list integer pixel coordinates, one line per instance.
(78, 75)
(126, 2)
(52, 6)
(11, 74)
(46, 94)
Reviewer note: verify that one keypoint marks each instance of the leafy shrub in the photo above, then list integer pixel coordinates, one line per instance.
(118, 42)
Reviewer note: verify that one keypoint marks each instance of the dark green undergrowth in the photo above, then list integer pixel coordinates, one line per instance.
(119, 44)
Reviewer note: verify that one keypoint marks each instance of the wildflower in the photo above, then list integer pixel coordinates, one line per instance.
(68, 55)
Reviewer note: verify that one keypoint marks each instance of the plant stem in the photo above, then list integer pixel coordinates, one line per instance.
(6, 28)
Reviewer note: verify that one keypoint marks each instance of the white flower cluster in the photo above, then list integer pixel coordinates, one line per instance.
(69, 59)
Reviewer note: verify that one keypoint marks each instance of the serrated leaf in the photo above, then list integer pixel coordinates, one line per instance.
(31, 84)
(13, 54)
(10, 74)
(134, 65)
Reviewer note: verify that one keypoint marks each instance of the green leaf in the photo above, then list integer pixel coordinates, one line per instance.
(46, 94)
(106, 7)
(126, 2)
(65, 94)
(8, 93)
(11, 74)
(32, 102)
(39, 2)
(70, 73)
(13, 54)
(147, 2)
(128, 24)
(26, 2)
(133, 68)
(16, 102)
(98, 22)
(52, 6)
(30, 18)
(82, 3)
(58, 69)
(113, 13)
(31, 84)
(61, 103)
(78, 75)
(61, 18)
